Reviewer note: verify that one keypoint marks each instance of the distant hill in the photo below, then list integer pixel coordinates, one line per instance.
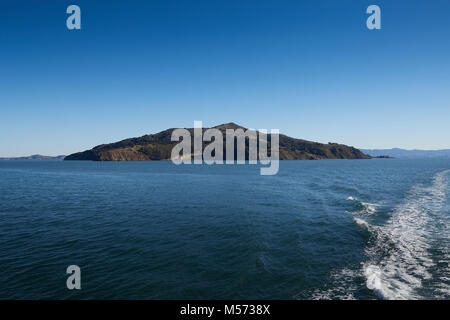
(159, 147)
(35, 157)
(402, 153)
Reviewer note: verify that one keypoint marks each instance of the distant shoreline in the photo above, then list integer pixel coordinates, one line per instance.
(35, 157)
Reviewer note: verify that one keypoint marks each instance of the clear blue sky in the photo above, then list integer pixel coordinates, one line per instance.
(309, 68)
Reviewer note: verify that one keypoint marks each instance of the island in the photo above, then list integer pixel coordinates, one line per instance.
(158, 146)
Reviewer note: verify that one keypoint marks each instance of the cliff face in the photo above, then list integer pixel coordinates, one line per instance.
(159, 147)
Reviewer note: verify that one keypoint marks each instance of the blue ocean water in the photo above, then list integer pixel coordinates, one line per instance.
(351, 229)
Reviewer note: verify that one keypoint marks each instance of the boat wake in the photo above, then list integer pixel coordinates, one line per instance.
(400, 258)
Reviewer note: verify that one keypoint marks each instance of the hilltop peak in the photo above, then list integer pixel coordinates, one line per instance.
(229, 125)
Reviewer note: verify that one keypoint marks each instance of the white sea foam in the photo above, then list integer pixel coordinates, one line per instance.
(367, 207)
(370, 208)
(361, 222)
(342, 286)
(400, 254)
